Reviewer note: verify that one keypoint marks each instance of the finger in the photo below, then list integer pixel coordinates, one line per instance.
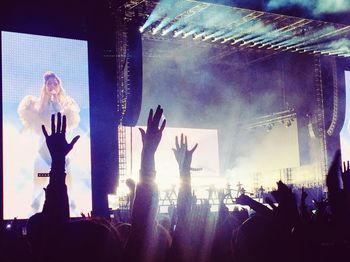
(150, 117)
(58, 128)
(64, 124)
(182, 140)
(74, 140)
(44, 131)
(348, 166)
(143, 133)
(53, 124)
(344, 167)
(186, 142)
(163, 125)
(157, 116)
(177, 143)
(194, 148)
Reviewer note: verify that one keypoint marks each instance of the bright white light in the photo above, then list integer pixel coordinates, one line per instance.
(154, 31)
(198, 36)
(177, 33)
(226, 40)
(189, 33)
(165, 32)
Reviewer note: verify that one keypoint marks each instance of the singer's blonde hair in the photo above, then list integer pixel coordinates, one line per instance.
(44, 96)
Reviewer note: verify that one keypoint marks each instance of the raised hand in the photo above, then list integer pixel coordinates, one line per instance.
(182, 154)
(150, 140)
(56, 142)
(244, 200)
(333, 180)
(256, 206)
(346, 176)
(151, 137)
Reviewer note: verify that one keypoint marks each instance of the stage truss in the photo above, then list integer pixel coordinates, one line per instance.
(287, 34)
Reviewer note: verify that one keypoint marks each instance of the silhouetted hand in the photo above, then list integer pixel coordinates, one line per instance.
(150, 140)
(244, 200)
(56, 142)
(346, 176)
(183, 155)
(332, 179)
(255, 205)
(321, 205)
(152, 136)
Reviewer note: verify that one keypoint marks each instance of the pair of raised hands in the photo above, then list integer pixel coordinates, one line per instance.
(152, 136)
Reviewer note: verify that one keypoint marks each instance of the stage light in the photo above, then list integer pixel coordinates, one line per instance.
(166, 31)
(189, 33)
(177, 33)
(154, 31)
(225, 40)
(199, 35)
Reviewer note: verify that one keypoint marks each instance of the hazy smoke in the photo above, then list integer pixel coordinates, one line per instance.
(342, 45)
(316, 7)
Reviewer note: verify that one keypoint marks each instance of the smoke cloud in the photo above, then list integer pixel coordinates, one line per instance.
(316, 7)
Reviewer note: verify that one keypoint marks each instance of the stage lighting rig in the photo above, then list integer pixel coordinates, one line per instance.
(285, 118)
(259, 30)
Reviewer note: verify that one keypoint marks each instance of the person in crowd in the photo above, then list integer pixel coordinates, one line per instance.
(282, 230)
(147, 240)
(182, 248)
(34, 111)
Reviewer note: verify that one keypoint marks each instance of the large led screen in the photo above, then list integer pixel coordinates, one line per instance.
(42, 75)
(205, 159)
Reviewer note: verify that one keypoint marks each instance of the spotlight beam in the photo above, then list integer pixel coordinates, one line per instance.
(314, 38)
(280, 33)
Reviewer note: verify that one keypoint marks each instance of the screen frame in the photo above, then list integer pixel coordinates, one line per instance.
(93, 22)
(30, 18)
(67, 36)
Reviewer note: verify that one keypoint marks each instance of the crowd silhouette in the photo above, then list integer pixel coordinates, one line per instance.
(288, 228)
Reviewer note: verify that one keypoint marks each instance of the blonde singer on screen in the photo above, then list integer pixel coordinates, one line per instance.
(35, 111)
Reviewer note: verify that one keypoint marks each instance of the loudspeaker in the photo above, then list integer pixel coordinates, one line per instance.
(134, 75)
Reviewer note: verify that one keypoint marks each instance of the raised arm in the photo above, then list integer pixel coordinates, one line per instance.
(346, 183)
(335, 193)
(146, 196)
(184, 158)
(253, 204)
(55, 214)
(181, 247)
(56, 207)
